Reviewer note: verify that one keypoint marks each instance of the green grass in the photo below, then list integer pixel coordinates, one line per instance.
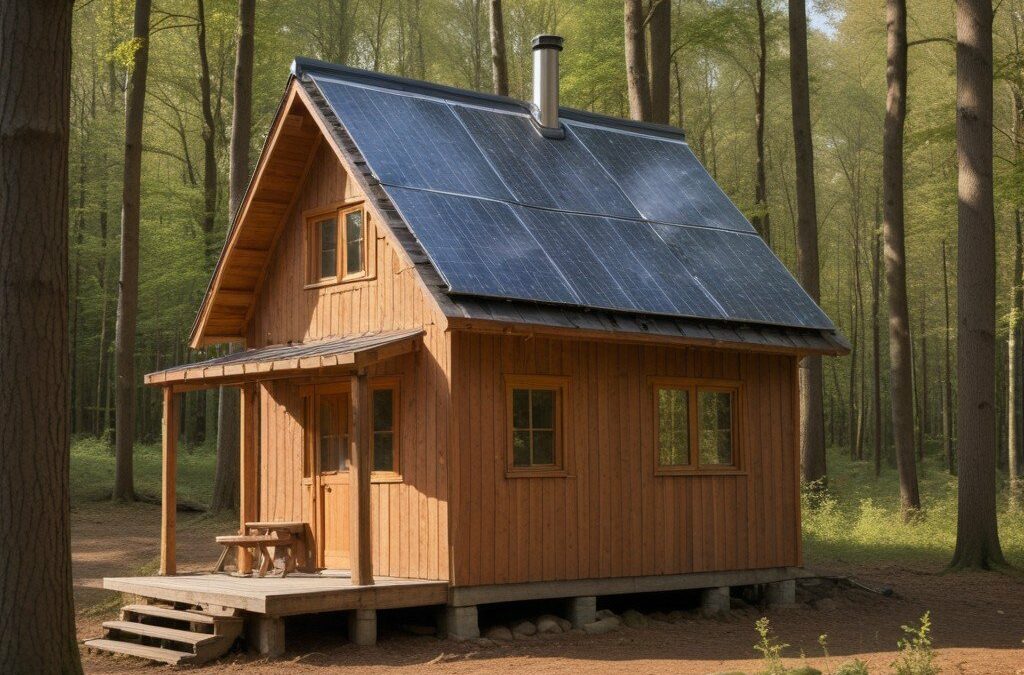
(92, 471)
(858, 520)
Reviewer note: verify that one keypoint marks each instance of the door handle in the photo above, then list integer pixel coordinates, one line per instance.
(327, 488)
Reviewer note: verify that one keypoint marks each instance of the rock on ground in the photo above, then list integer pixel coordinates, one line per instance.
(548, 624)
(501, 633)
(634, 619)
(524, 628)
(601, 626)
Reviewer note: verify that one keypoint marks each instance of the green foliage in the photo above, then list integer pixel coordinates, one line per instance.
(770, 648)
(916, 656)
(855, 667)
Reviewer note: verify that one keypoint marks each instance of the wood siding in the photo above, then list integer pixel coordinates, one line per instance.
(409, 518)
(611, 516)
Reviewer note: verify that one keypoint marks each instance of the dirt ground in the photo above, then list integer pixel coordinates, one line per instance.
(978, 619)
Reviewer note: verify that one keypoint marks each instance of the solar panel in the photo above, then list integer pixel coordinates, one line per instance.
(540, 172)
(662, 178)
(412, 141)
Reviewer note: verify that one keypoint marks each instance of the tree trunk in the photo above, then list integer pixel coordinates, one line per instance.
(499, 64)
(1013, 374)
(760, 221)
(812, 433)
(37, 615)
(128, 294)
(900, 363)
(660, 36)
(876, 348)
(639, 89)
(947, 384)
(208, 219)
(856, 344)
(977, 535)
(225, 483)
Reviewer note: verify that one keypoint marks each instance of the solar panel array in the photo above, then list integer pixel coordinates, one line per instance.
(604, 218)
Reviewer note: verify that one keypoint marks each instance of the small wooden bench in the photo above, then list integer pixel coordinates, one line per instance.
(260, 543)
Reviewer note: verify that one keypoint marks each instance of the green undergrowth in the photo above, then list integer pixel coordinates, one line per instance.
(92, 472)
(857, 518)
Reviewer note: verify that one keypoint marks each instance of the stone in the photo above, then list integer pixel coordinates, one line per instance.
(484, 642)
(658, 616)
(824, 604)
(266, 635)
(564, 624)
(581, 610)
(601, 626)
(362, 627)
(461, 622)
(604, 613)
(780, 593)
(524, 628)
(634, 619)
(499, 633)
(548, 624)
(675, 616)
(714, 601)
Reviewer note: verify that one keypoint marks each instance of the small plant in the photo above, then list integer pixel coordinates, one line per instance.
(916, 656)
(855, 667)
(770, 648)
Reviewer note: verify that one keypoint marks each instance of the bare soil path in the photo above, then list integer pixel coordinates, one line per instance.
(978, 619)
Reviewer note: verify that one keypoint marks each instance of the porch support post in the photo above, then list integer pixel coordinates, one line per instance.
(247, 510)
(168, 498)
(359, 490)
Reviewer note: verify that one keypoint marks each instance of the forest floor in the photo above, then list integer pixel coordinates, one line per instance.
(977, 618)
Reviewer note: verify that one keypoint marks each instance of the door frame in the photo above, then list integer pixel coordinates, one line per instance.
(313, 478)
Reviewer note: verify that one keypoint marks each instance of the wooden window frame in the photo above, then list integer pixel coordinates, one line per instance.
(393, 383)
(311, 394)
(311, 234)
(694, 386)
(558, 384)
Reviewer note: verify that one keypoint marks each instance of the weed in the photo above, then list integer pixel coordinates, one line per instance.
(770, 648)
(916, 656)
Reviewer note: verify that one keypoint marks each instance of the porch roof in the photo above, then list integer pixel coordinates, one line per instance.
(288, 360)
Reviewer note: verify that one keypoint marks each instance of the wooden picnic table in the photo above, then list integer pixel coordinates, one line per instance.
(286, 557)
(275, 543)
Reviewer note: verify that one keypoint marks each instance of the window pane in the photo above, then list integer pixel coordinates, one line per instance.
(543, 405)
(332, 423)
(715, 411)
(354, 242)
(328, 248)
(520, 448)
(543, 447)
(673, 427)
(384, 451)
(520, 408)
(383, 409)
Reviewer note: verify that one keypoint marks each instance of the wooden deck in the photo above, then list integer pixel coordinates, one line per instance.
(294, 594)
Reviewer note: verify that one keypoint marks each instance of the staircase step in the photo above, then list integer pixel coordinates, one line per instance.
(170, 613)
(141, 651)
(161, 633)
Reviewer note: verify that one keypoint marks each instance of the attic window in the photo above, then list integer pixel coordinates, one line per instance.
(336, 244)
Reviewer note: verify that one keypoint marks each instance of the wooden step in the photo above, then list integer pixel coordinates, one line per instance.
(160, 654)
(170, 613)
(162, 633)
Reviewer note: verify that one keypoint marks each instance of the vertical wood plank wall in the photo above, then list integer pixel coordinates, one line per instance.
(612, 516)
(409, 518)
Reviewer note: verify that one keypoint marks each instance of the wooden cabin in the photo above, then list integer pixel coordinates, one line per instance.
(495, 351)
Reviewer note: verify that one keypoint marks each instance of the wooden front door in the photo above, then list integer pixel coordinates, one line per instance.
(331, 477)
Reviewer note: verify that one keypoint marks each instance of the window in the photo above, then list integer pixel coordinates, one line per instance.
(385, 440)
(535, 421)
(696, 427)
(336, 243)
(332, 432)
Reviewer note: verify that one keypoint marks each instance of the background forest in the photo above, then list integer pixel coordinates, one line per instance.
(732, 115)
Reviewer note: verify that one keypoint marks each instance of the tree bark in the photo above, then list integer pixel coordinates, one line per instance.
(660, 44)
(225, 483)
(128, 293)
(900, 362)
(638, 86)
(1013, 375)
(977, 536)
(812, 431)
(208, 218)
(761, 221)
(876, 348)
(947, 384)
(37, 615)
(499, 63)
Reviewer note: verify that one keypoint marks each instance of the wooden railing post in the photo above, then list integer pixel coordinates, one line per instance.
(361, 554)
(169, 499)
(248, 457)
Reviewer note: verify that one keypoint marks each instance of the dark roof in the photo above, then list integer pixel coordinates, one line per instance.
(618, 224)
(290, 357)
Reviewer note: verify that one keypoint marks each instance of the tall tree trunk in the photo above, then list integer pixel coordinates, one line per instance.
(1013, 374)
(876, 346)
(77, 405)
(900, 358)
(761, 222)
(128, 293)
(812, 432)
(225, 484)
(660, 44)
(638, 86)
(37, 614)
(856, 344)
(499, 62)
(947, 384)
(977, 535)
(210, 246)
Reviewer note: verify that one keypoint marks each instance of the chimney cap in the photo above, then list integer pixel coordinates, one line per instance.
(548, 42)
